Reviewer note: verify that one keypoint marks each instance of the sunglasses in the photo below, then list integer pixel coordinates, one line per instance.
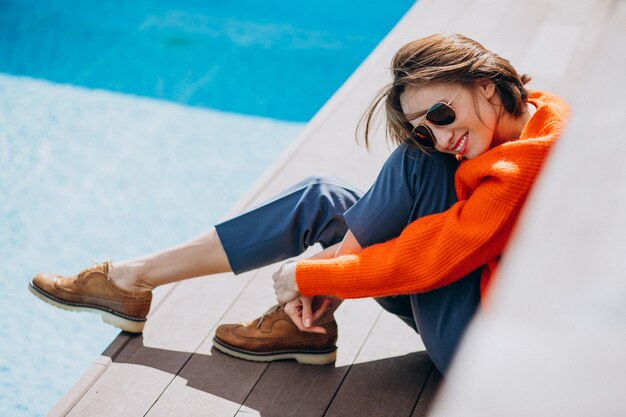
(439, 114)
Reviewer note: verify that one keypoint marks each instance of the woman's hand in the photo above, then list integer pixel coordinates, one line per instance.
(304, 311)
(285, 283)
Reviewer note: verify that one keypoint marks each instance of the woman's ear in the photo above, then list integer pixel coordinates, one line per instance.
(486, 87)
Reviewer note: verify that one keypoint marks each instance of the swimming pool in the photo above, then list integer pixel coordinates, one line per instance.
(126, 127)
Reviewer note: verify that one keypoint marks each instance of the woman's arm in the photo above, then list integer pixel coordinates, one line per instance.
(436, 250)
(305, 311)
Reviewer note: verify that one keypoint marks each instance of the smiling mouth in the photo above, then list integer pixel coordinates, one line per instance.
(461, 145)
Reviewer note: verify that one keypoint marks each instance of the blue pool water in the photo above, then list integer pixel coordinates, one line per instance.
(279, 59)
(126, 127)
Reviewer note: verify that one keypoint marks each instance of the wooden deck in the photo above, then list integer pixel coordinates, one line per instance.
(382, 370)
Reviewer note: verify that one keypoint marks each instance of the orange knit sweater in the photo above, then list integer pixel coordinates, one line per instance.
(436, 250)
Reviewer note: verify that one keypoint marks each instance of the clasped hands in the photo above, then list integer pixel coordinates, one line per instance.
(304, 311)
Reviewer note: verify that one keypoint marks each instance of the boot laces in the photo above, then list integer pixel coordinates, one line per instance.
(80, 278)
(268, 313)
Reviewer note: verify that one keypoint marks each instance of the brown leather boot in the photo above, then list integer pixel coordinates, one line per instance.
(92, 290)
(274, 336)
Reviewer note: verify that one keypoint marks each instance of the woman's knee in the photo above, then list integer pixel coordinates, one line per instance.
(322, 179)
(329, 190)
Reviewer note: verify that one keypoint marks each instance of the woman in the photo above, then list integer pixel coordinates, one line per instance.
(425, 239)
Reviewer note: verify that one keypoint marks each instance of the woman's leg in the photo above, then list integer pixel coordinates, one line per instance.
(412, 185)
(400, 306)
(309, 212)
(442, 316)
(203, 255)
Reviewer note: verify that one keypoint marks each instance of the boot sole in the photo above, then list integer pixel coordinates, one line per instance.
(321, 357)
(126, 323)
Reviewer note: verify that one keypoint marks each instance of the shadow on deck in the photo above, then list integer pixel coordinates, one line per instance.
(395, 386)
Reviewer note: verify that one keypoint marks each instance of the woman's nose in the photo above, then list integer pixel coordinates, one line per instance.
(443, 136)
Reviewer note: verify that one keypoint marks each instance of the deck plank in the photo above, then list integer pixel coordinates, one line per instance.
(427, 397)
(383, 387)
(355, 320)
(388, 374)
(222, 379)
(290, 389)
(79, 389)
(215, 380)
(208, 385)
(152, 359)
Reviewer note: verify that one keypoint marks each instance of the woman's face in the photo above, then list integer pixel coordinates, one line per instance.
(469, 135)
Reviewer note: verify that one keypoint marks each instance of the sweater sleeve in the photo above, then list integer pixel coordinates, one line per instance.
(436, 250)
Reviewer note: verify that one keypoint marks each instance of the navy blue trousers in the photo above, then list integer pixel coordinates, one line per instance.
(321, 209)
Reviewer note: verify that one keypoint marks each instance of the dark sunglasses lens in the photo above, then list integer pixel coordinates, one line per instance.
(423, 136)
(441, 114)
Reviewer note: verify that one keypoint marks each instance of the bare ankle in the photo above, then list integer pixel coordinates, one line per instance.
(128, 277)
